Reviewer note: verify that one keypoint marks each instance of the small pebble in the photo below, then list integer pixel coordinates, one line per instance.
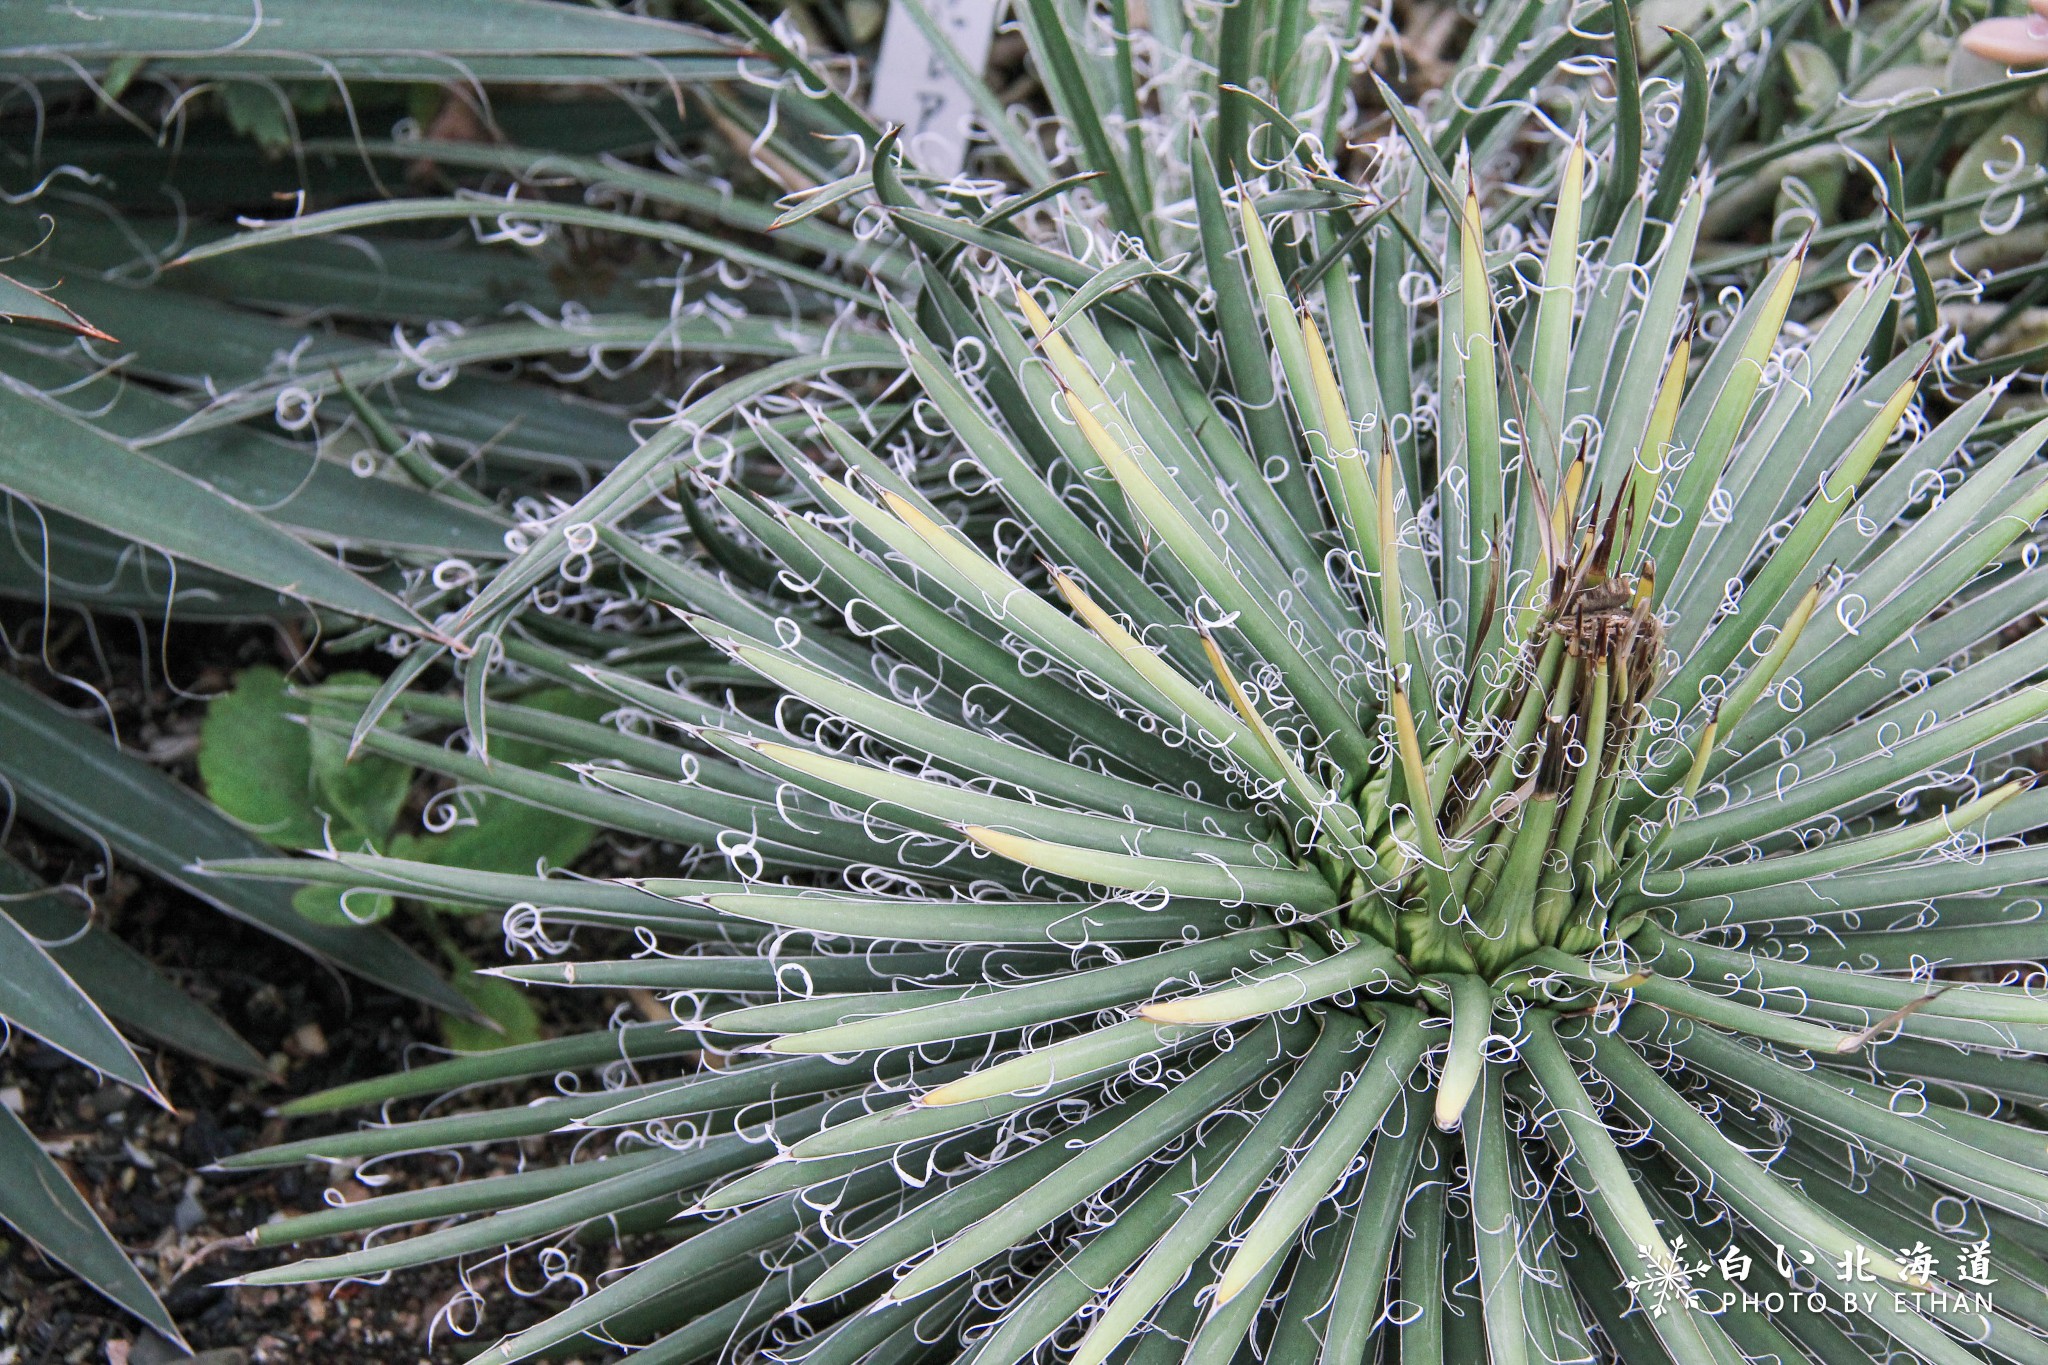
(308, 1040)
(151, 1349)
(189, 1214)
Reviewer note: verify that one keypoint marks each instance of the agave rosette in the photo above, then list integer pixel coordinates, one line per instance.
(1186, 897)
(1251, 822)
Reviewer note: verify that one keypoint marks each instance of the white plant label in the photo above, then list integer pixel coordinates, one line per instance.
(915, 87)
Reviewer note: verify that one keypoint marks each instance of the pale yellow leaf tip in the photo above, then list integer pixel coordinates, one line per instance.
(1193, 1009)
(1033, 314)
(1450, 1108)
(1233, 1282)
(1015, 847)
(953, 1092)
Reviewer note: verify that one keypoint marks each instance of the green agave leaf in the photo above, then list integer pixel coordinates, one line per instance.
(20, 303)
(471, 886)
(898, 1125)
(1423, 1264)
(672, 1268)
(1977, 1003)
(782, 1176)
(1019, 922)
(631, 1043)
(1867, 1216)
(1015, 1007)
(487, 1195)
(944, 1214)
(1361, 1280)
(367, 367)
(1296, 986)
(1268, 645)
(1093, 1166)
(1817, 795)
(765, 41)
(1962, 946)
(728, 972)
(738, 1316)
(60, 462)
(1233, 883)
(119, 980)
(1377, 1080)
(733, 1086)
(1058, 1293)
(1059, 528)
(1037, 261)
(41, 1203)
(865, 786)
(425, 1135)
(534, 163)
(519, 40)
(1628, 1230)
(537, 211)
(1766, 1201)
(829, 1011)
(1736, 879)
(673, 1173)
(320, 498)
(37, 994)
(1245, 1164)
(1499, 1225)
(1677, 997)
(65, 560)
(2003, 1164)
(637, 477)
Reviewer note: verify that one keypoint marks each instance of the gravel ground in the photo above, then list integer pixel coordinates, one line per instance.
(143, 1169)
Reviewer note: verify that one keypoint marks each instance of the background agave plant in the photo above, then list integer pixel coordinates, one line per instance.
(118, 508)
(1355, 854)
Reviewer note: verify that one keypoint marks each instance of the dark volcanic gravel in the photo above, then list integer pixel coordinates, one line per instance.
(143, 1168)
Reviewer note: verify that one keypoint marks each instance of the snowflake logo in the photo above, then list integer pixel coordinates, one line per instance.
(1670, 1277)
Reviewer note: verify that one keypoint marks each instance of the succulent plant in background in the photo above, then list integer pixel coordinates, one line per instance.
(117, 507)
(1282, 740)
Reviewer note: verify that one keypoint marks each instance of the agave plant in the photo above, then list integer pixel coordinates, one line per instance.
(1367, 793)
(1347, 764)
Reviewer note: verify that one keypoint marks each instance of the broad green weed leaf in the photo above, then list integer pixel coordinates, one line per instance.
(368, 790)
(341, 909)
(254, 762)
(294, 788)
(502, 1001)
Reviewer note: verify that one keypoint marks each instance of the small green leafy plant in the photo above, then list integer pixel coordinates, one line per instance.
(268, 763)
